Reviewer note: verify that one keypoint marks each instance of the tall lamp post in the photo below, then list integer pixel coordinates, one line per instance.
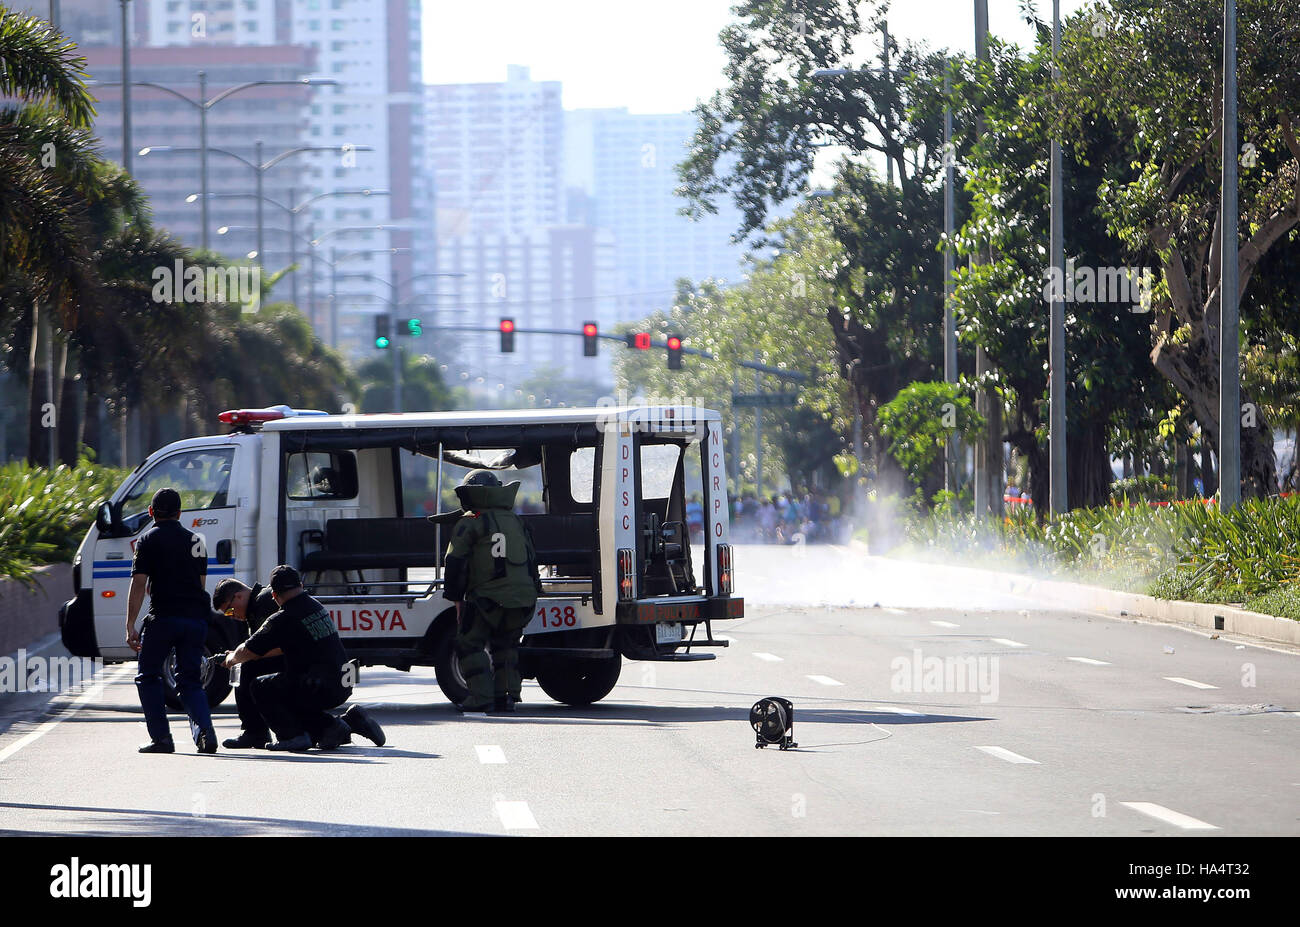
(293, 213)
(202, 104)
(257, 165)
(1229, 348)
(1060, 497)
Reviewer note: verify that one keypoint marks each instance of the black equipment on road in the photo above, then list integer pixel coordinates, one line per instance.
(772, 719)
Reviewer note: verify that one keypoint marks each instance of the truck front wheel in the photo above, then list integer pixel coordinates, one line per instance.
(579, 682)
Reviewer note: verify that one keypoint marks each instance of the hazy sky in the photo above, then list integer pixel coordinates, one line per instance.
(652, 57)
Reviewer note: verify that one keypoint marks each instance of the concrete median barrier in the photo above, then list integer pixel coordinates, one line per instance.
(29, 614)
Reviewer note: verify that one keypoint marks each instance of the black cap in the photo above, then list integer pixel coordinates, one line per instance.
(166, 503)
(284, 578)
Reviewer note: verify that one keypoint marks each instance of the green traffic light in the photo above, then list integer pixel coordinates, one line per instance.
(381, 342)
(414, 328)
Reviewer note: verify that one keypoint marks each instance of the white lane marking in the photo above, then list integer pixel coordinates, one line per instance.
(1190, 682)
(515, 815)
(894, 709)
(977, 811)
(769, 657)
(490, 754)
(1004, 754)
(65, 712)
(894, 611)
(1008, 643)
(826, 680)
(1161, 813)
(944, 624)
(723, 637)
(1089, 661)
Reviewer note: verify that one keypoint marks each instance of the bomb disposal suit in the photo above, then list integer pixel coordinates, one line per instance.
(491, 573)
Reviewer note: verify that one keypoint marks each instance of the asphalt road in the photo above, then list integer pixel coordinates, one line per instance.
(931, 714)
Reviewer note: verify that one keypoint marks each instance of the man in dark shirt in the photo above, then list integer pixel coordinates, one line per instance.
(294, 701)
(171, 566)
(252, 606)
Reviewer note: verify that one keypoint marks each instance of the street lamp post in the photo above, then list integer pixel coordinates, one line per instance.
(1229, 348)
(1060, 498)
(292, 211)
(202, 104)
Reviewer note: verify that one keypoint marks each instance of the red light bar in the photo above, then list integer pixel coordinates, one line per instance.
(250, 416)
(642, 341)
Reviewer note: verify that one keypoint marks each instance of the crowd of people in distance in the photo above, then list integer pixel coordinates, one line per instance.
(810, 518)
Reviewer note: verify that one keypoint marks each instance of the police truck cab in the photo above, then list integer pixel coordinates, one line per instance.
(325, 493)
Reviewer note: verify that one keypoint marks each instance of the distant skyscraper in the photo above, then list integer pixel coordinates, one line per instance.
(494, 154)
(371, 47)
(621, 168)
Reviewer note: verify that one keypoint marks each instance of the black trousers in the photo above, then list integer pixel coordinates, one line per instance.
(250, 719)
(292, 704)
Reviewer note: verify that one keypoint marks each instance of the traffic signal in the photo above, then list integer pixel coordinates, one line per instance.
(589, 333)
(674, 353)
(638, 340)
(383, 331)
(507, 336)
(412, 327)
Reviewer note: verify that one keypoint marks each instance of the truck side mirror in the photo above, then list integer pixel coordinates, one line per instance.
(104, 520)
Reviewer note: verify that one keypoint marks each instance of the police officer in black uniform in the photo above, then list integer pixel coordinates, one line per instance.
(251, 606)
(294, 702)
(171, 566)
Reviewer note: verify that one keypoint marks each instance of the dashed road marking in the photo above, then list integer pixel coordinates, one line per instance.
(723, 637)
(1008, 643)
(1004, 754)
(894, 709)
(490, 754)
(515, 815)
(1161, 813)
(944, 624)
(769, 657)
(894, 611)
(1190, 682)
(826, 680)
(1089, 661)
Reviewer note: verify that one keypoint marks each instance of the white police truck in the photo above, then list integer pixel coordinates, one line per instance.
(325, 494)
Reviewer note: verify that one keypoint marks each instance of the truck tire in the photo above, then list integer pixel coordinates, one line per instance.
(447, 668)
(579, 682)
(216, 679)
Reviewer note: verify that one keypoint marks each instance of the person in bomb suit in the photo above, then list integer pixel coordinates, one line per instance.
(491, 576)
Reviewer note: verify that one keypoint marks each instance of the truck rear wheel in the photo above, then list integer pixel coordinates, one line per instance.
(579, 682)
(446, 669)
(215, 679)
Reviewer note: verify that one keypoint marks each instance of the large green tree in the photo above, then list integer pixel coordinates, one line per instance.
(1153, 74)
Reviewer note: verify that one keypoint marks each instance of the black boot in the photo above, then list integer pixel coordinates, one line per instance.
(337, 735)
(247, 741)
(361, 723)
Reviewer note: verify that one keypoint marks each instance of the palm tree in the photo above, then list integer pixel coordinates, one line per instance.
(44, 165)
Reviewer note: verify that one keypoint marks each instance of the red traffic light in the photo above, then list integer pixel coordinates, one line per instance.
(641, 341)
(674, 343)
(507, 326)
(589, 329)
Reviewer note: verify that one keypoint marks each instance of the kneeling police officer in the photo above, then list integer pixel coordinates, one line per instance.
(491, 575)
(294, 701)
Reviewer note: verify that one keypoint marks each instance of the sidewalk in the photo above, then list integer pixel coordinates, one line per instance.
(1068, 595)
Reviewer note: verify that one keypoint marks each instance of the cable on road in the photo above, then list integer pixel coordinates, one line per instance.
(855, 743)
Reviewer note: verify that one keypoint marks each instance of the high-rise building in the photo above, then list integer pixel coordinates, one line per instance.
(620, 171)
(494, 154)
(370, 47)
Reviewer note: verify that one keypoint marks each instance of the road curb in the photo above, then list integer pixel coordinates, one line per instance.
(28, 614)
(1061, 594)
